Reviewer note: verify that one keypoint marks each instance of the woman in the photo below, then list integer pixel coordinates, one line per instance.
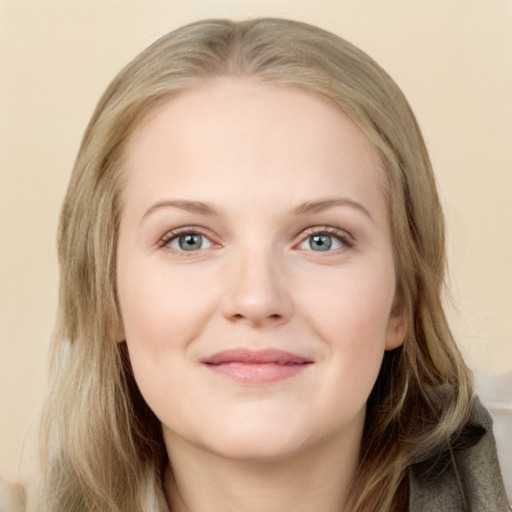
(252, 256)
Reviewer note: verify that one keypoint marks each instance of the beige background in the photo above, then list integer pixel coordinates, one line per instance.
(453, 59)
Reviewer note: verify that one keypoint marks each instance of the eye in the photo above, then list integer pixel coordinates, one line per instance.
(186, 241)
(327, 239)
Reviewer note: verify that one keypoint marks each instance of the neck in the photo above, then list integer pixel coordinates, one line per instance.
(317, 479)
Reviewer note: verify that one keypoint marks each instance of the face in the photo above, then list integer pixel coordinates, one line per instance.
(255, 269)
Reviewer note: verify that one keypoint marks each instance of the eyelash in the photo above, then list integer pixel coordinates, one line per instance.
(340, 235)
(171, 235)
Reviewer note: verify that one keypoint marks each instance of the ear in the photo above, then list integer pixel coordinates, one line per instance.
(120, 336)
(118, 329)
(396, 329)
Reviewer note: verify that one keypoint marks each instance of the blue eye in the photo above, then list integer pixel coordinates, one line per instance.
(324, 241)
(188, 242)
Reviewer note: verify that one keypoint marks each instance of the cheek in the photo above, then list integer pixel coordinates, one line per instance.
(160, 310)
(159, 320)
(353, 307)
(351, 315)
(163, 312)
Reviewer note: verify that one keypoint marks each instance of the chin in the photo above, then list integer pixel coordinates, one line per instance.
(256, 451)
(259, 441)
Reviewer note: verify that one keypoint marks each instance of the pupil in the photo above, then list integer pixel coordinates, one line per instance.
(321, 242)
(190, 242)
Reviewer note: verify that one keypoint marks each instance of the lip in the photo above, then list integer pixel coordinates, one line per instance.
(256, 366)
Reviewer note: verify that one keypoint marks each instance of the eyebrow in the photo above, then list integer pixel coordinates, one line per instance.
(306, 208)
(312, 207)
(197, 207)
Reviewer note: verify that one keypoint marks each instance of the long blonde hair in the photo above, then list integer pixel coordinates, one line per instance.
(102, 446)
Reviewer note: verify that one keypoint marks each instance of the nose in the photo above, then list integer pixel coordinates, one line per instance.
(258, 292)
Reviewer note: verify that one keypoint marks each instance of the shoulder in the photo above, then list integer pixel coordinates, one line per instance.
(12, 497)
(464, 478)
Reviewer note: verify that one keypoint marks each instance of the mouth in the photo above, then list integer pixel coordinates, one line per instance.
(256, 366)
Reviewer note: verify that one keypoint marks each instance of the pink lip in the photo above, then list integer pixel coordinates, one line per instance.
(256, 366)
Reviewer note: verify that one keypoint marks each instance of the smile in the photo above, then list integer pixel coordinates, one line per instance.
(256, 366)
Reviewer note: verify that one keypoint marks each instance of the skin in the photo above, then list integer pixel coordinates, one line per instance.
(255, 153)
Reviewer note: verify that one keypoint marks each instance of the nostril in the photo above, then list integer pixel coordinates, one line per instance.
(241, 316)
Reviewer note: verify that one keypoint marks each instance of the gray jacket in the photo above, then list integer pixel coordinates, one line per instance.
(470, 481)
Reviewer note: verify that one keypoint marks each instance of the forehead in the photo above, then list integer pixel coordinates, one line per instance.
(272, 139)
(243, 102)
